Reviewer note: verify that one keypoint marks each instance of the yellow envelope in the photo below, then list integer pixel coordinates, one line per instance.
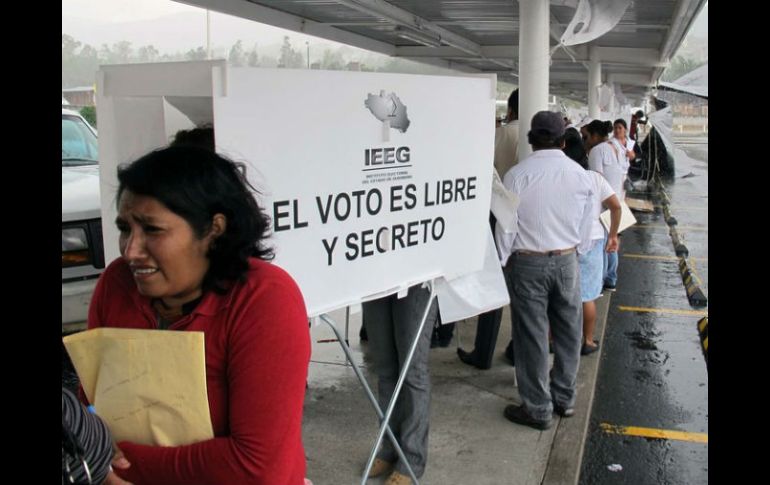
(149, 386)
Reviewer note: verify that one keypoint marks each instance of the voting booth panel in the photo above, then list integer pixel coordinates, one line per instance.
(374, 182)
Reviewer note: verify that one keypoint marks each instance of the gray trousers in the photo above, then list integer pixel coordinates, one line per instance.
(392, 324)
(545, 290)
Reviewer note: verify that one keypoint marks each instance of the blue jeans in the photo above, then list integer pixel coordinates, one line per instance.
(610, 265)
(545, 292)
(391, 323)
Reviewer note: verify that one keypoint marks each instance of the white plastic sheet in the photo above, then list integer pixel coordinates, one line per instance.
(663, 121)
(474, 293)
(593, 18)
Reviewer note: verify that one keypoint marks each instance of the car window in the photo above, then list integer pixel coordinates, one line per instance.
(78, 142)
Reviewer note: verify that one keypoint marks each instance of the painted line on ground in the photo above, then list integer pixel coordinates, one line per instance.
(657, 257)
(665, 434)
(663, 226)
(662, 310)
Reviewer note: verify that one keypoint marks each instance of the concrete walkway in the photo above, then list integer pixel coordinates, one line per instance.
(470, 440)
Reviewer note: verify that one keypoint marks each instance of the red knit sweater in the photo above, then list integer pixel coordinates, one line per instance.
(257, 354)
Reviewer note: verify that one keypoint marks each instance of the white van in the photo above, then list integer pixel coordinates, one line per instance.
(82, 252)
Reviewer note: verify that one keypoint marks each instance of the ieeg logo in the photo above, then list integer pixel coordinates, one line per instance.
(387, 107)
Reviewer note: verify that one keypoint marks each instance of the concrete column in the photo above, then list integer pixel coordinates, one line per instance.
(613, 102)
(594, 81)
(533, 66)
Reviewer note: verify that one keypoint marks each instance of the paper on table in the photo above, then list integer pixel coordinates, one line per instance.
(627, 218)
(503, 205)
(149, 386)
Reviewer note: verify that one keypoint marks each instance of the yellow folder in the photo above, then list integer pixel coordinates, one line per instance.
(149, 386)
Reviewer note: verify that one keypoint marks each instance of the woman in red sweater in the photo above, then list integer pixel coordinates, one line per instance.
(192, 241)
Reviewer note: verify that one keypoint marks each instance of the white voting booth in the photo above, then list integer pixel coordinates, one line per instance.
(374, 182)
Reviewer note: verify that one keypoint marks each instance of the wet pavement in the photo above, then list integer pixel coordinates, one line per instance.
(652, 371)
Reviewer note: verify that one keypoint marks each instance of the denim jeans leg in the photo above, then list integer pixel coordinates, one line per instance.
(529, 287)
(565, 314)
(414, 400)
(379, 327)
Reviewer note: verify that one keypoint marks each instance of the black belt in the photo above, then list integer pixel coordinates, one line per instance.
(557, 252)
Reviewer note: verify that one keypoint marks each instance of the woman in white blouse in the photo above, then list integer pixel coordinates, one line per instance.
(605, 157)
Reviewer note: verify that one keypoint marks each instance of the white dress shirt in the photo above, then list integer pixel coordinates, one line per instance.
(555, 205)
(506, 147)
(611, 162)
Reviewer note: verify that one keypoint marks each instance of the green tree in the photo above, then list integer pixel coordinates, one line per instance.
(89, 113)
(332, 60)
(198, 54)
(69, 47)
(123, 52)
(237, 57)
(290, 57)
(147, 53)
(253, 57)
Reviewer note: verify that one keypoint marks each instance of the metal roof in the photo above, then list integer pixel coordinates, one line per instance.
(483, 35)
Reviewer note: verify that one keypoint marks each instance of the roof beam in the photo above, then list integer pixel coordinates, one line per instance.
(609, 55)
(265, 15)
(399, 16)
(444, 63)
(621, 78)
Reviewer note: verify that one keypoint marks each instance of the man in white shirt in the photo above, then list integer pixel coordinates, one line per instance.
(541, 269)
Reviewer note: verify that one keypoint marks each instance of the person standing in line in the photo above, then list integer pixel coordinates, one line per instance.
(591, 263)
(541, 270)
(607, 159)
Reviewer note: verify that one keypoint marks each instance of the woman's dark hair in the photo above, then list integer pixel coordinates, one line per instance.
(202, 136)
(197, 183)
(573, 147)
(513, 102)
(602, 128)
(620, 121)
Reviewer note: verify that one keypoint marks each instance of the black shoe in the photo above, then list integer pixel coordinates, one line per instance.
(589, 349)
(519, 415)
(509, 354)
(562, 411)
(608, 287)
(363, 335)
(470, 359)
(444, 342)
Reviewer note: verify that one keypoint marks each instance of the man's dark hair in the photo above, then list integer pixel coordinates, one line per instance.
(196, 184)
(540, 141)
